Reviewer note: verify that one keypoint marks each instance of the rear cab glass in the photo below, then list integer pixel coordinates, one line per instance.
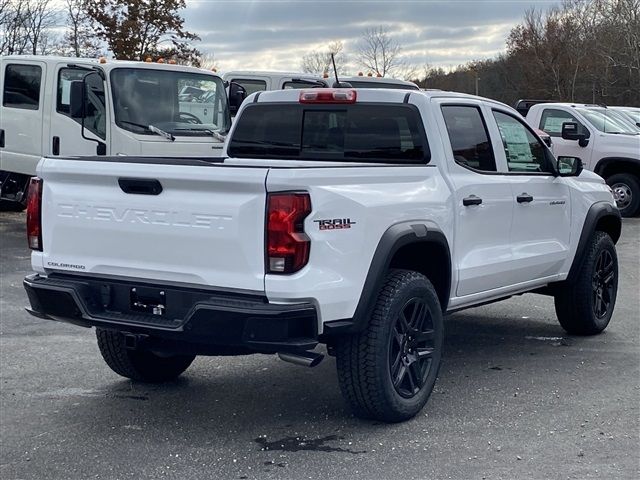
(361, 132)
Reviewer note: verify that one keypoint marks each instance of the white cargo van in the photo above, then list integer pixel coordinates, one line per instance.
(256, 81)
(56, 106)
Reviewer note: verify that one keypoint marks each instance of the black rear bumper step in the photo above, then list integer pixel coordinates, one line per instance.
(206, 322)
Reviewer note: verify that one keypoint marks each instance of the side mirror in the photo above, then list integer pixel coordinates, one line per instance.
(570, 132)
(237, 94)
(569, 166)
(76, 99)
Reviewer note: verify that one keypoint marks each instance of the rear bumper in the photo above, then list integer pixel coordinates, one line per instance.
(196, 321)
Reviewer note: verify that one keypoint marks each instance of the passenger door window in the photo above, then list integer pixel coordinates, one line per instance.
(524, 151)
(552, 120)
(469, 137)
(22, 87)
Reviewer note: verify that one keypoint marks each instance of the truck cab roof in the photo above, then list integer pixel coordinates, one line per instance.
(105, 63)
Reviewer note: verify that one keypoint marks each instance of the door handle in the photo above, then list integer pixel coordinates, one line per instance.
(2, 138)
(471, 200)
(140, 186)
(524, 198)
(56, 146)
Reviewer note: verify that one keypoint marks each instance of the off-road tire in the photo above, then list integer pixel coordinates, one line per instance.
(630, 187)
(576, 302)
(139, 365)
(364, 359)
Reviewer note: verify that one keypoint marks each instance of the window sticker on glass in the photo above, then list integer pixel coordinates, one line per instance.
(517, 143)
(66, 91)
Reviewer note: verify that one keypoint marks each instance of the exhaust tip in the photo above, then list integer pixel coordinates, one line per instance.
(305, 359)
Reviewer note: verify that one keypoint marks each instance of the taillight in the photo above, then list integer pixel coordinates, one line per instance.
(328, 95)
(34, 214)
(287, 244)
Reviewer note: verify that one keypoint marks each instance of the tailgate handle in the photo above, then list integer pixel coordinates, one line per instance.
(140, 186)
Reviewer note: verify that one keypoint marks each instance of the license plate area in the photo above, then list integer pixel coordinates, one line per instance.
(148, 300)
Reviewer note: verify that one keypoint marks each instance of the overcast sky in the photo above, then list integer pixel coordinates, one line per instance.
(275, 34)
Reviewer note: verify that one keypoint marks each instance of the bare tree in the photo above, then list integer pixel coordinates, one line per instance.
(318, 62)
(79, 40)
(209, 61)
(39, 21)
(378, 52)
(26, 26)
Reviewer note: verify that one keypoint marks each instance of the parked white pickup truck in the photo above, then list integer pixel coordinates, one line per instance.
(607, 143)
(352, 218)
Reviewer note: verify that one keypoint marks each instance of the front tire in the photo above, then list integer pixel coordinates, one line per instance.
(585, 306)
(626, 190)
(387, 371)
(139, 365)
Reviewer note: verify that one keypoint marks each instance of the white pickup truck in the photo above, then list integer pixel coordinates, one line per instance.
(352, 218)
(607, 143)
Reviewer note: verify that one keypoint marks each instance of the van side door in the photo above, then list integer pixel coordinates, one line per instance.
(65, 135)
(22, 114)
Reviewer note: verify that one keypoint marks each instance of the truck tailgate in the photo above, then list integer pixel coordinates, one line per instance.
(205, 227)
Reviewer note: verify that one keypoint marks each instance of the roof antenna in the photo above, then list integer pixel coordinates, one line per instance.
(337, 84)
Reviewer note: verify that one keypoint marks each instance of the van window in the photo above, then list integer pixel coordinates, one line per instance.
(22, 86)
(297, 84)
(65, 77)
(251, 85)
(344, 133)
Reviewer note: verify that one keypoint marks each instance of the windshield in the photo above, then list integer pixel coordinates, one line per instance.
(179, 103)
(631, 113)
(607, 121)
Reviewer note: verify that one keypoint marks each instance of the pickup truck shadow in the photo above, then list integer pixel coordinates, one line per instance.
(259, 395)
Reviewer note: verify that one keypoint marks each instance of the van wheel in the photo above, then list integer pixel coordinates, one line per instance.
(387, 371)
(139, 365)
(585, 306)
(626, 191)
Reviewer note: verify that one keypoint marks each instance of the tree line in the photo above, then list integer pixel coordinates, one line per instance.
(578, 51)
(581, 51)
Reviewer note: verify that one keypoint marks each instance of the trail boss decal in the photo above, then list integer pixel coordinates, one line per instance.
(335, 224)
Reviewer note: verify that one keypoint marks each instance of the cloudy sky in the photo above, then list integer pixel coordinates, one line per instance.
(275, 34)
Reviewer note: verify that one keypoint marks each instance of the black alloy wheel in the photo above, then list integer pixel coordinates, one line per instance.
(411, 347)
(603, 284)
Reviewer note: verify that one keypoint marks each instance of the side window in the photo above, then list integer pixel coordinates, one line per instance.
(469, 137)
(524, 152)
(552, 120)
(250, 85)
(96, 119)
(22, 87)
(65, 77)
(292, 84)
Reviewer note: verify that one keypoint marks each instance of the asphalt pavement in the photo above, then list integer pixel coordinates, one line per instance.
(517, 398)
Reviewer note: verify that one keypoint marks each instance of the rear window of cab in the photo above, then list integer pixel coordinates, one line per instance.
(372, 133)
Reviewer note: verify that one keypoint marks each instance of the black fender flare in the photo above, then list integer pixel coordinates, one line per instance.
(596, 213)
(603, 163)
(393, 239)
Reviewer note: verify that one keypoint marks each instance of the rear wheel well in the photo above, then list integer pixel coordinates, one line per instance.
(430, 259)
(610, 225)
